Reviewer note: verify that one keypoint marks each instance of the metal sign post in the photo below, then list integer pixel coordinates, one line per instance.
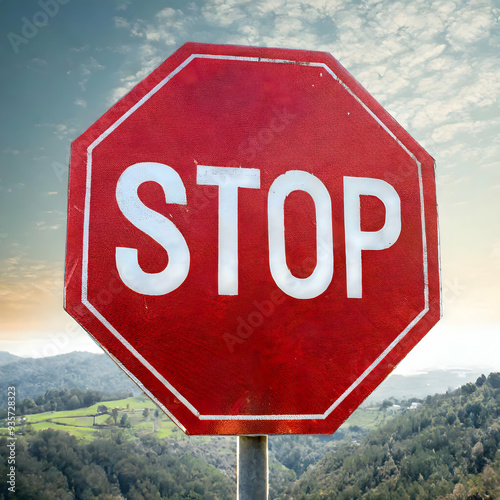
(252, 468)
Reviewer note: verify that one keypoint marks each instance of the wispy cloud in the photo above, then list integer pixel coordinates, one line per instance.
(37, 64)
(27, 288)
(61, 130)
(80, 102)
(152, 60)
(122, 4)
(121, 22)
(470, 23)
(419, 57)
(44, 226)
(11, 151)
(54, 219)
(87, 69)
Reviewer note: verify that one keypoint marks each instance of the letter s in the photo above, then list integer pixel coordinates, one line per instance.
(158, 227)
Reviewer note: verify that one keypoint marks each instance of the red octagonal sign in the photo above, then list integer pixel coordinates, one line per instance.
(253, 239)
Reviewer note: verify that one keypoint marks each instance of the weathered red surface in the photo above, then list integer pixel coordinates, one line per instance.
(261, 361)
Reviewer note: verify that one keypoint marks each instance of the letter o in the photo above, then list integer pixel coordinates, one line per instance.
(321, 276)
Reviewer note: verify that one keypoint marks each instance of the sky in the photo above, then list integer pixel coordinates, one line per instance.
(434, 65)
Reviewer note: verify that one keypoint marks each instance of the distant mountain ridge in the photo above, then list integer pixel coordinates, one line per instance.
(85, 370)
(422, 385)
(7, 357)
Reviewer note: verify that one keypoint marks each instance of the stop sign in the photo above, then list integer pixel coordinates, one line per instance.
(253, 239)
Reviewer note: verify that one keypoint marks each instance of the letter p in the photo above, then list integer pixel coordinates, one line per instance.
(356, 240)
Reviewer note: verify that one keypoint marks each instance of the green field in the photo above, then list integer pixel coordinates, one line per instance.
(367, 418)
(80, 422)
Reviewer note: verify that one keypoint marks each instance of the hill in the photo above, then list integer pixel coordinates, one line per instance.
(447, 448)
(421, 385)
(7, 357)
(52, 464)
(35, 376)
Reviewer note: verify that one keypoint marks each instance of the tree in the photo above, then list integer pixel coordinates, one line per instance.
(101, 409)
(468, 388)
(386, 404)
(124, 421)
(26, 405)
(74, 403)
(114, 414)
(494, 380)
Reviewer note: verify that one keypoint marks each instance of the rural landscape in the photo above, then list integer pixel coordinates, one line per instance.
(85, 431)
(280, 218)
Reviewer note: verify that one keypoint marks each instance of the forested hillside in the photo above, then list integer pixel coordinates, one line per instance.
(33, 377)
(7, 357)
(63, 399)
(421, 385)
(53, 465)
(446, 449)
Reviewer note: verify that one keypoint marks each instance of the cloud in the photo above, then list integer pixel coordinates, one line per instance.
(150, 61)
(18, 186)
(448, 132)
(80, 102)
(38, 61)
(56, 218)
(11, 151)
(434, 65)
(473, 24)
(44, 225)
(36, 64)
(22, 273)
(223, 14)
(40, 158)
(29, 290)
(87, 69)
(82, 48)
(122, 4)
(121, 22)
(61, 130)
